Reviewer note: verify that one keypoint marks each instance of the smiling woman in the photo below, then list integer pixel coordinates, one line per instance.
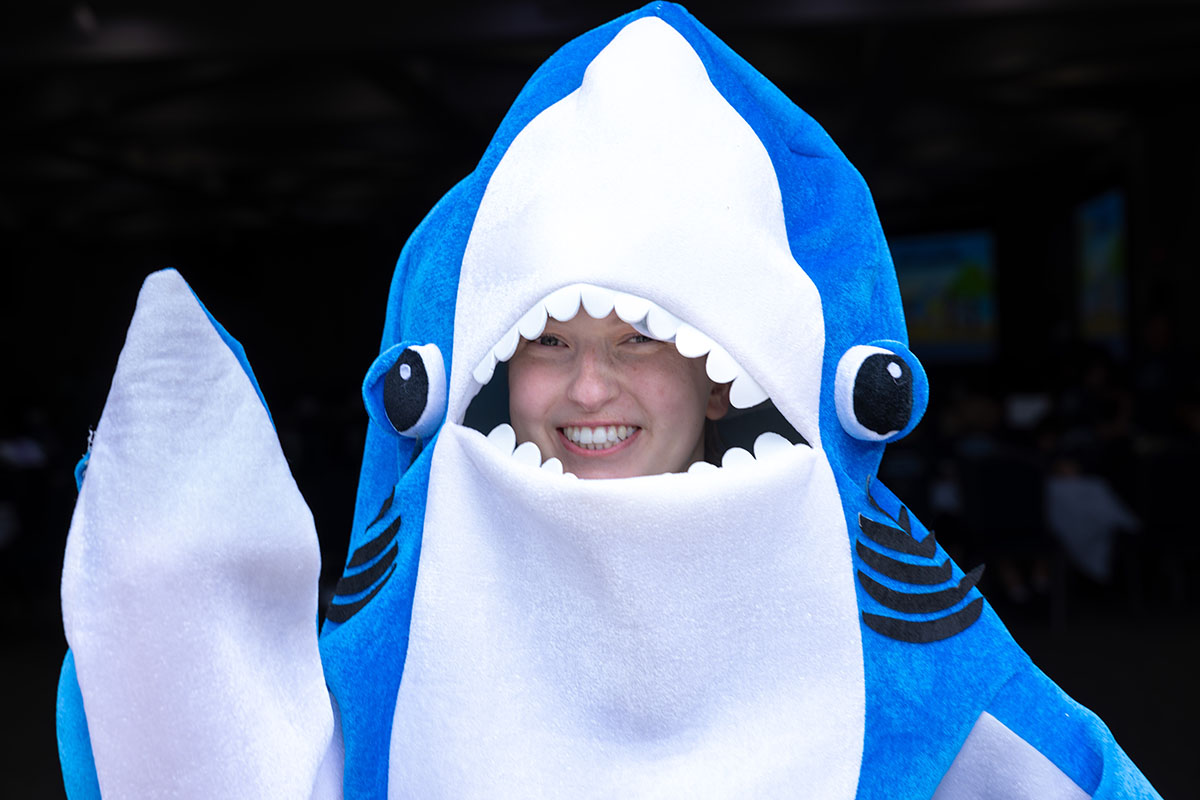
(610, 402)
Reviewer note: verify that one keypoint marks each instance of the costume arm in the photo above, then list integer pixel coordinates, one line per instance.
(190, 579)
(1036, 743)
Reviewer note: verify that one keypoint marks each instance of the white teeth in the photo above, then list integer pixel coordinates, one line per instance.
(532, 324)
(563, 304)
(508, 345)
(631, 308)
(528, 453)
(598, 438)
(691, 343)
(597, 301)
(503, 438)
(649, 319)
(736, 458)
(745, 393)
(769, 445)
(661, 324)
(720, 366)
(486, 368)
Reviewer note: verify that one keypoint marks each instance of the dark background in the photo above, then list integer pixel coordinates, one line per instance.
(279, 156)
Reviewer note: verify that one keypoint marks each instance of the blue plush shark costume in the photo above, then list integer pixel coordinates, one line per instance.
(777, 627)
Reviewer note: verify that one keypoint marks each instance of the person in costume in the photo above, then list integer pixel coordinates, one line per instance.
(778, 626)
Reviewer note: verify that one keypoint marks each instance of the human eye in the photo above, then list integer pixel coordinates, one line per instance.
(549, 340)
(638, 338)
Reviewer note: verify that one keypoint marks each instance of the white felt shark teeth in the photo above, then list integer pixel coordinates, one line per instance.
(597, 302)
(736, 458)
(508, 344)
(769, 445)
(720, 366)
(691, 343)
(745, 392)
(528, 454)
(631, 308)
(485, 369)
(647, 317)
(662, 324)
(563, 304)
(503, 438)
(533, 323)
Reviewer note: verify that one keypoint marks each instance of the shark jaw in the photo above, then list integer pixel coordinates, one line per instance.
(653, 321)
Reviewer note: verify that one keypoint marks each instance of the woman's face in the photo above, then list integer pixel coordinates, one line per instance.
(609, 402)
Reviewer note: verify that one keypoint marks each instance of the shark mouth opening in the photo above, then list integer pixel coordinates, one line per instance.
(753, 429)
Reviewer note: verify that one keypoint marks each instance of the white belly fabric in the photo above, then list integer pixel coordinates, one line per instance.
(670, 636)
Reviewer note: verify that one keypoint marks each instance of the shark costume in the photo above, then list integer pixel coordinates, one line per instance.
(780, 626)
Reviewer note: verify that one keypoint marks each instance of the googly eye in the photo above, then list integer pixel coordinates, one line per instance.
(880, 391)
(405, 390)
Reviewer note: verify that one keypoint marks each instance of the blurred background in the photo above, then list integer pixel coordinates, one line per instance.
(1034, 163)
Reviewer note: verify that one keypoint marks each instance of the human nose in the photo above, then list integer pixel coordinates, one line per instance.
(594, 383)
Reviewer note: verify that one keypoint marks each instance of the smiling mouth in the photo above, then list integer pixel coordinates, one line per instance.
(600, 437)
(651, 320)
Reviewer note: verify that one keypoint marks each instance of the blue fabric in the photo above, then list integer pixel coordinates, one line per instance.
(74, 744)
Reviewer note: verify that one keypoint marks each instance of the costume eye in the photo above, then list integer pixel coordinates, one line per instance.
(880, 391)
(405, 390)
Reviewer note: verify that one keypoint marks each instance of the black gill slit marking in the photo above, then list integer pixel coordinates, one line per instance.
(900, 541)
(920, 602)
(926, 631)
(340, 612)
(376, 546)
(352, 584)
(383, 509)
(361, 581)
(917, 574)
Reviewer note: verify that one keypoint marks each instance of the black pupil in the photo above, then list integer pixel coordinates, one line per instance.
(404, 398)
(882, 400)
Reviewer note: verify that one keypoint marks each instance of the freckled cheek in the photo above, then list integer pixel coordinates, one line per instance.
(530, 396)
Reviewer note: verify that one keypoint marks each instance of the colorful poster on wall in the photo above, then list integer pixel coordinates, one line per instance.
(947, 284)
(1101, 239)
